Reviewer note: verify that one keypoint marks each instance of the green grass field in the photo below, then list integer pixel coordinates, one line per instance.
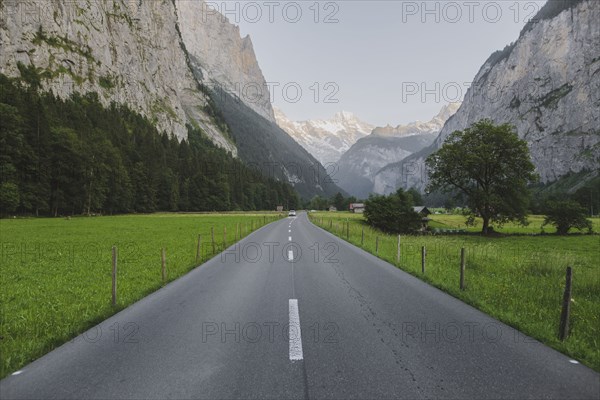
(451, 221)
(55, 274)
(517, 279)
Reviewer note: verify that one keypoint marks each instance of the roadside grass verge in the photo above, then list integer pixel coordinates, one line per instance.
(55, 274)
(516, 279)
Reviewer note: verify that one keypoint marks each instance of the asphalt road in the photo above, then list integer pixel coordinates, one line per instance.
(333, 323)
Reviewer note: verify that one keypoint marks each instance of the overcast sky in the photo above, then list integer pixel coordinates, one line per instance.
(386, 61)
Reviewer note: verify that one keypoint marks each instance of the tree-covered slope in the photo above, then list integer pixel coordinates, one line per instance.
(263, 144)
(74, 156)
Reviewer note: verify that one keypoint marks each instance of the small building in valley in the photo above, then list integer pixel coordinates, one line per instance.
(332, 208)
(357, 208)
(424, 213)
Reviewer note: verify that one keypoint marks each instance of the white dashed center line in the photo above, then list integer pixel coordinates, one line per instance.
(290, 255)
(295, 335)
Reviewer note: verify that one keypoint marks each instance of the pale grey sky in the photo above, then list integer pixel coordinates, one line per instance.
(386, 61)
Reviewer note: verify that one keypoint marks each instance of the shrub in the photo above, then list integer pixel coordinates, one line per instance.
(393, 213)
(565, 215)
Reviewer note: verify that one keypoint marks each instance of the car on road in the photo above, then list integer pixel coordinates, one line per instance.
(292, 213)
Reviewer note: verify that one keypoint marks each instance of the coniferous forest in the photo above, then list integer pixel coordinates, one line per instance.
(75, 156)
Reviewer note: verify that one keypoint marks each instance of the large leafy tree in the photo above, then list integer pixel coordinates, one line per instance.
(490, 166)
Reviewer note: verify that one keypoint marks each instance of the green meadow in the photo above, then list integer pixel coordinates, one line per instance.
(56, 277)
(517, 278)
(534, 226)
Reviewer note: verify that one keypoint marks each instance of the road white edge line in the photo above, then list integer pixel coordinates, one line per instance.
(295, 335)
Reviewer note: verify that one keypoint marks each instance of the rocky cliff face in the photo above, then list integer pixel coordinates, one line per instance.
(127, 52)
(547, 84)
(139, 53)
(328, 139)
(225, 60)
(176, 62)
(358, 167)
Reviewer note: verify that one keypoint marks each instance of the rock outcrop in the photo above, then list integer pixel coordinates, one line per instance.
(152, 56)
(128, 52)
(226, 60)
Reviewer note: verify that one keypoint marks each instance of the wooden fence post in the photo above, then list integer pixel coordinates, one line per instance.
(224, 237)
(163, 257)
(462, 268)
(235, 237)
(423, 255)
(199, 248)
(362, 236)
(330, 223)
(347, 230)
(398, 251)
(114, 276)
(212, 236)
(376, 245)
(563, 329)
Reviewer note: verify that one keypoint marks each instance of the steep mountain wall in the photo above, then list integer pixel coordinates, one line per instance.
(265, 146)
(547, 84)
(222, 56)
(129, 52)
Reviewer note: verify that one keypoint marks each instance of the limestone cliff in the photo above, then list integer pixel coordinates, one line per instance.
(139, 53)
(546, 84)
(225, 59)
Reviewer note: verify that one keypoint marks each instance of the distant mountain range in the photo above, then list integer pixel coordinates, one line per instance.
(358, 166)
(328, 139)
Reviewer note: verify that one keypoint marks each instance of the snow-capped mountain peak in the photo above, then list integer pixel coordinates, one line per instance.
(326, 139)
(418, 127)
